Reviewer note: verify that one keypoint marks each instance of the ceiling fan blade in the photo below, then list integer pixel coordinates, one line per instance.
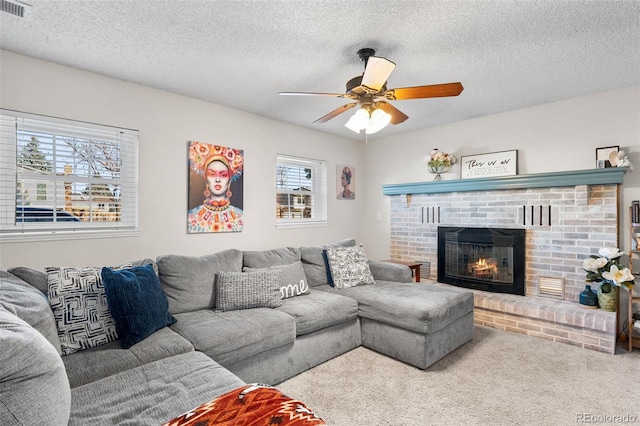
(333, 95)
(336, 112)
(376, 73)
(419, 92)
(397, 116)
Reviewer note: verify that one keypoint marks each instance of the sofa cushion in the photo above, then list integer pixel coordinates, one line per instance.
(319, 310)
(34, 389)
(137, 303)
(38, 279)
(228, 337)
(387, 271)
(267, 258)
(246, 290)
(79, 304)
(188, 281)
(420, 308)
(314, 262)
(105, 360)
(293, 281)
(349, 266)
(153, 393)
(250, 405)
(30, 305)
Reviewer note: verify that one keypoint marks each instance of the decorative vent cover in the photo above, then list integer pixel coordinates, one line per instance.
(425, 268)
(16, 8)
(552, 287)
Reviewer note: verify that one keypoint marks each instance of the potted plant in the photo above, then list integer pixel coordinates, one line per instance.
(606, 270)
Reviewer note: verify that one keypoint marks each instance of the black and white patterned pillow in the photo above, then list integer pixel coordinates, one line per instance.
(349, 266)
(246, 290)
(79, 305)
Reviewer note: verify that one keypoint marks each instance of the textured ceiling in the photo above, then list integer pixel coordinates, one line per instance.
(507, 54)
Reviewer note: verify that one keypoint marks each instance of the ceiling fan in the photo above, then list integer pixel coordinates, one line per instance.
(369, 91)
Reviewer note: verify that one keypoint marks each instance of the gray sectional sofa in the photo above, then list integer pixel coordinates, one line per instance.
(208, 352)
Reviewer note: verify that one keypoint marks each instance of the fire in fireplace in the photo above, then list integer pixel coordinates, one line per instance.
(489, 259)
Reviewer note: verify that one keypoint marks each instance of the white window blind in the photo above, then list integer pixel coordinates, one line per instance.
(301, 192)
(66, 179)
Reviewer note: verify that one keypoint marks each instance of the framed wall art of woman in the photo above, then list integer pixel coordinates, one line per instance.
(215, 188)
(345, 180)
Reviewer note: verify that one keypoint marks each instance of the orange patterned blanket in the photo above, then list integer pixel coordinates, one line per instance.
(252, 404)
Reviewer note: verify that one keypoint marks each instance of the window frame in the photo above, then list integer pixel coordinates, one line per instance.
(318, 192)
(11, 175)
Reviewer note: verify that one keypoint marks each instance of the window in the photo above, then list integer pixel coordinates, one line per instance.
(65, 179)
(301, 192)
(42, 191)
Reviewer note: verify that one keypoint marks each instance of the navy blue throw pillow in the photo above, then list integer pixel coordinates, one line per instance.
(326, 265)
(137, 303)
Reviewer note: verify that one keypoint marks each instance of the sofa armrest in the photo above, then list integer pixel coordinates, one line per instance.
(385, 271)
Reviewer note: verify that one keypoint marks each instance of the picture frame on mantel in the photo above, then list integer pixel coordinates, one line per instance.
(603, 154)
(502, 163)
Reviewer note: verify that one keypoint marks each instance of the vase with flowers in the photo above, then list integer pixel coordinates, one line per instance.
(439, 162)
(606, 270)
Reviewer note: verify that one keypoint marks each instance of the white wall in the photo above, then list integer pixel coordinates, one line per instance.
(167, 122)
(553, 137)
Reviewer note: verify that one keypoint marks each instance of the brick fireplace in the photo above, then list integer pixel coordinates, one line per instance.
(566, 217)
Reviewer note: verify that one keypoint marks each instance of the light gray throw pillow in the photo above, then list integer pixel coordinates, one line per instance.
(246, 290)
(293, 281)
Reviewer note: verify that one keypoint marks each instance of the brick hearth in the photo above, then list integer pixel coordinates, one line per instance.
(583, 219)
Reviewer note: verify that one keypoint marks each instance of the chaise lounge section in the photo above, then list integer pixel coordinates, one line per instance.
(417, 324)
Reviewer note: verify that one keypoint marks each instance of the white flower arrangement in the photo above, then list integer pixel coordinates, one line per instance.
(606, 269)
(620, 159)
(438, 160)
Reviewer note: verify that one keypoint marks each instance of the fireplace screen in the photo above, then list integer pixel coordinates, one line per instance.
(479, 261)
(482, 258)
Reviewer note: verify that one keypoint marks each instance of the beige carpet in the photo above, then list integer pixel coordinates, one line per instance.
(498, 378)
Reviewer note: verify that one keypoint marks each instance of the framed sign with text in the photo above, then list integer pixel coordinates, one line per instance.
(504, 163)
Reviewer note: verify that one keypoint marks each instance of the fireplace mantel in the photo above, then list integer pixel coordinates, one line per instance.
(611, 175)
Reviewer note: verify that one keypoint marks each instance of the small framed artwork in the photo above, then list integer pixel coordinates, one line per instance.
(346, 183)
(603, 156)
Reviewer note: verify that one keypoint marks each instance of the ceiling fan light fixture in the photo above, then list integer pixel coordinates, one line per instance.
(358, 121)
(373, 123)
(379, 120)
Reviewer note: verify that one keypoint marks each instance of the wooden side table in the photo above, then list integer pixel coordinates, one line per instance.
(414, 266)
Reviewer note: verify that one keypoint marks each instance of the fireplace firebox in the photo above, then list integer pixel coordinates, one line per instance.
(489, 259)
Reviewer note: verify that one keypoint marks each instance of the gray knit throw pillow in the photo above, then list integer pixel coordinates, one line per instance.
(246, 290)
